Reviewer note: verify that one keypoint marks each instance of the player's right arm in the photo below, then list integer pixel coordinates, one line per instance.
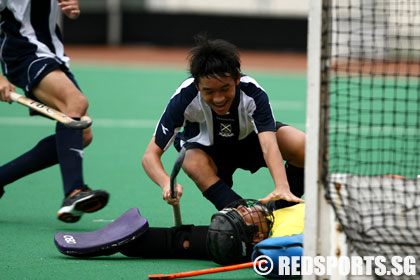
(70, 8)
(153, 166)
(5, 88)
(170, 123)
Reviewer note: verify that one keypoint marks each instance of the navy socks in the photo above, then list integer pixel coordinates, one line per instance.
(43, 155)
(66, 147)
(220, 194)
(69, 144)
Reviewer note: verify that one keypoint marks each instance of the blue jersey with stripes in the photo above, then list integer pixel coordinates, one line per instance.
(189, 116)
(29, 31)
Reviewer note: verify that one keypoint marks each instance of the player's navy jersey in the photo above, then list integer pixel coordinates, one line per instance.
(29, 31)
(250, 112)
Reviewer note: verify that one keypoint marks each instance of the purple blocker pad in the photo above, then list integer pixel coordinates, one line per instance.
(105, 241)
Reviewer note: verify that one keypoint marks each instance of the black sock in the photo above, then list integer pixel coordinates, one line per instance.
(69, 144)
(43, 155)
(220, 194)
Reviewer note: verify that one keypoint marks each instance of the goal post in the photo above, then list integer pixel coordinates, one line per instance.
(362, 190)
(322, 235)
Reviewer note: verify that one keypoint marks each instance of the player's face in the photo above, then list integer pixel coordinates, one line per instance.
(218, 92)
(253, 216)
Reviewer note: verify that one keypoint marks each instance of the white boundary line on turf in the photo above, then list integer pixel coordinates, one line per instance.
(277, 105)
(97, 123)
(106, 123)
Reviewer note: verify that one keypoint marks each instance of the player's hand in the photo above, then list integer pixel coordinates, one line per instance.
(166, 194)
(5, 88)
(70, 8)
(281, 193)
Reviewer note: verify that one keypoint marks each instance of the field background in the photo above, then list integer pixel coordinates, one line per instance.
(128, 89)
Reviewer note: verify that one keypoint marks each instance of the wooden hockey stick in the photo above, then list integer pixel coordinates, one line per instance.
(175, 170)
(84, 122)
(202, 271)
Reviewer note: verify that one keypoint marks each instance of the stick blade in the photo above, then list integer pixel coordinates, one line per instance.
(84, 122)
(51, 113)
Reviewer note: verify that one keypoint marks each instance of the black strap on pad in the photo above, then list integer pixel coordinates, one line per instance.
(168, 243)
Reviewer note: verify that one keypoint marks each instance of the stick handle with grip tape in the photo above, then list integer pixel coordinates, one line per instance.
(67, 121)
(175, 170)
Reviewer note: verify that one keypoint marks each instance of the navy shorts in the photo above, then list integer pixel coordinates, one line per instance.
(28, 71)
(245, 154)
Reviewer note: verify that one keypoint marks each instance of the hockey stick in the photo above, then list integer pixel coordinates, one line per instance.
(84, 122)
(175, 170)
(202, 271)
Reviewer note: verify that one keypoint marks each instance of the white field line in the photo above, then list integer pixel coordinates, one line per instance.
(277, 105)
(281, 105)
(97, 122)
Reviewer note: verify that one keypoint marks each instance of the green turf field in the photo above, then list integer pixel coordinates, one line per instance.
(125, 104)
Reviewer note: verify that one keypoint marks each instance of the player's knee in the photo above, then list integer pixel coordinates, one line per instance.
(300, 152)
(77, 105)
(295, 157)
(194, 169)
(80, 105)
(87, 137)
(199, 167)
(292, 145)
(297, 154)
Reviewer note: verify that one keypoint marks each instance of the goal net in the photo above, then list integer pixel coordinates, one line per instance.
(367, 84)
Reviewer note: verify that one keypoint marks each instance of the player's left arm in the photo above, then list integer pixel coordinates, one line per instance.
(275, 164)
(264, 123)
(70, 8)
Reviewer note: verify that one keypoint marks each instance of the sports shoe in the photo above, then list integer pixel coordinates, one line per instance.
(80, 202)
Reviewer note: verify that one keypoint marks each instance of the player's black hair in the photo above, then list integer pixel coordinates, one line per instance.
(210, 58)
(229, 238)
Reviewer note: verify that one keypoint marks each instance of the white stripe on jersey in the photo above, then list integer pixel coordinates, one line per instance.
(248, 79)
(6, 71)
(58, 45)
(22, 12)
(184, 84)
(247, 106)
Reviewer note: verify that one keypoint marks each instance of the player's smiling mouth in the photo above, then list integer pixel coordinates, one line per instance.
(220, 107)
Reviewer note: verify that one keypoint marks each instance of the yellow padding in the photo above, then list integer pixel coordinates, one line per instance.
(289, 220)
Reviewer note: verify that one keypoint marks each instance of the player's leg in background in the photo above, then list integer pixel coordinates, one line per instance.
(41, 156)
(59, 90)
(45, 153)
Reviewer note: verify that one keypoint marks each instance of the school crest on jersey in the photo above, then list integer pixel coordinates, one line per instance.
(226, 130)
